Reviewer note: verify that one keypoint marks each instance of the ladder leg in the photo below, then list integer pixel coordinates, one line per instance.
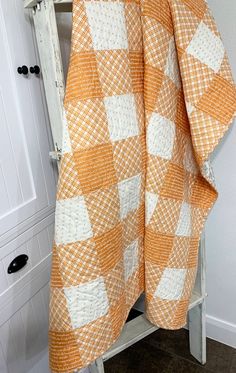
(197, 332)
(97, 366)
(197, 315)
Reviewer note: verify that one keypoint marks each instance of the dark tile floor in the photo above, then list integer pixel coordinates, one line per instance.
(168, 352)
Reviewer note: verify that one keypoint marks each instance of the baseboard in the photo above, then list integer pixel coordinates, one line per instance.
(221, 330)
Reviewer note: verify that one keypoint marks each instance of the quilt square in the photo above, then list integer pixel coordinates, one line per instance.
(81, 38)
(86, 302)
(160, 136)
(83, 79)
(207, 47)
(156, 43)
(172, 66)
(136, 70)
(173, 186)
(109, 248)
(78, 262)
(133, 24)
(114, 72)
(160, 11)
(95, 168)
(166, 104)
(107, 24)
(185, 221)
(128, 157)
(198, 8)
(158, 247)
(87, 122)
(72, 221)
(219, 100)
(129, 192)
(131, 259)
(104, 209)
(152, 85)
(166, 216)
(156, 166)
(68, 181)
(122, 116)
(151, 200)
(64, 344)
(171, 284)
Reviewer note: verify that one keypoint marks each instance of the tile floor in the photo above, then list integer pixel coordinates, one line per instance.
(168, 352)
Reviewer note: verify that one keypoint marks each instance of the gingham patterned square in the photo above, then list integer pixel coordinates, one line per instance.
(107, 18)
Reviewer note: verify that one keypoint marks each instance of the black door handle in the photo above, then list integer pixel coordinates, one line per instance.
(18, 263)
(23, 70)
(35, 69)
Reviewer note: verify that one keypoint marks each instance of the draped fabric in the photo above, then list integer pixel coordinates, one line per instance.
(149, 95)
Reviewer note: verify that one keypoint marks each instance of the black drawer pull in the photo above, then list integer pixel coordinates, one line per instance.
(23, 70)
(18, 263)
(35, 69)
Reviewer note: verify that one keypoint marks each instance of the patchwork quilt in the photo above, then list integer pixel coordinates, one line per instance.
(149, 96)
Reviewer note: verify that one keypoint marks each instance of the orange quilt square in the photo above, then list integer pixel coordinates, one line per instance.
(152, 85)
(173, 186)
(104, 209)
(197, 7)
(83, 79)
(128, 157)
(109, 248)
(158, 247)
(133, 24)
(136, 68)
(114, 72)
(193, 253)
(219, 101)
(181, 119)
(95, 168)
(64, 352)
(203, 195)
(160, 11)
(165, 217)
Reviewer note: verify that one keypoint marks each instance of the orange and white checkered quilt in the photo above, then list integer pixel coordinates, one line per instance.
(149, 96)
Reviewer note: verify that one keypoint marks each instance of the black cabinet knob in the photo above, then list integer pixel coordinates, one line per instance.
(17, 263)
(35, 69)
(23, 70)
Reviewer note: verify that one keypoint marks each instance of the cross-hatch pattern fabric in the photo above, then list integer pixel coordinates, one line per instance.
(149, 95)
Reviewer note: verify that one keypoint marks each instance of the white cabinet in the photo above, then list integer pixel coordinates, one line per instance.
(27, 194)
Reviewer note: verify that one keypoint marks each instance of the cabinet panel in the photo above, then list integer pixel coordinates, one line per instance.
(27, 176)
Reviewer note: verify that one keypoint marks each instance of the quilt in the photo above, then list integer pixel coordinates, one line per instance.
(149, 95)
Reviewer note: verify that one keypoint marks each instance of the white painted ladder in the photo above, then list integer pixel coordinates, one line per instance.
(51, 65)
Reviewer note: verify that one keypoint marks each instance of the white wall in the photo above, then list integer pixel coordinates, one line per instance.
(221, 225)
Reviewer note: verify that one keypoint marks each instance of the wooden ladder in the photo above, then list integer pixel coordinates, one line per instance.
(51, 64)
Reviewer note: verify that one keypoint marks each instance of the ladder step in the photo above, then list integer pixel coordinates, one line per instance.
(138, 328)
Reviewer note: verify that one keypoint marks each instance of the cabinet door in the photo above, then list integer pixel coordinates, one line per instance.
(27, 176)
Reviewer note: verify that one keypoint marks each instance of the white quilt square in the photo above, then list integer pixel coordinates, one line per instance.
(129, 193)
(184, 224)
(171, 284)
(151, 200)
(160, 136)
(172, 66)
(107, 23)
(131, 259)
(122, 116)
(207, 47)
(86, 302)
(72, 221)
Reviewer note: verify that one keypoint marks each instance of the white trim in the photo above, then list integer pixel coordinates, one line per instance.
(221, 330)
